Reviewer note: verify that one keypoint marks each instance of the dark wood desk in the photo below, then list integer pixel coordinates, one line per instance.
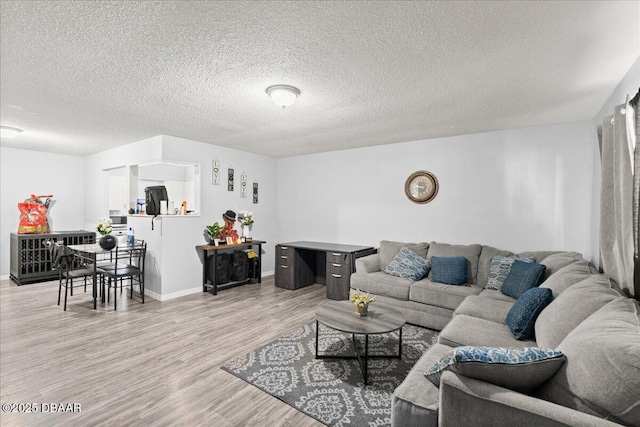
(301, 264)
(209, 275)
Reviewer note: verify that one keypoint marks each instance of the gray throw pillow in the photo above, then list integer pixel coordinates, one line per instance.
(516, 369)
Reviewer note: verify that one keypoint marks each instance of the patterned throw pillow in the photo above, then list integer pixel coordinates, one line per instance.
(499, 270)
(449, 270)
(408, 264)
(516, 369)
(522, 277)
(521, 319)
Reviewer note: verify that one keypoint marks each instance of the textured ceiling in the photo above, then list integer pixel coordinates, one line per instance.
(83, 76)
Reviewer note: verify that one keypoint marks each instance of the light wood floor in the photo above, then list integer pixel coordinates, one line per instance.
(154, 364)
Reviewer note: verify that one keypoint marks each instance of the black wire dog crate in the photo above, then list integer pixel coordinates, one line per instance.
(29, 258)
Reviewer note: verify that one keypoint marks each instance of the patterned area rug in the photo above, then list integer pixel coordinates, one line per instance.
(332, 390)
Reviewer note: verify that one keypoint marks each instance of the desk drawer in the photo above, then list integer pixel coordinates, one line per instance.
(338, 258)
(338, 279)
(284, 276)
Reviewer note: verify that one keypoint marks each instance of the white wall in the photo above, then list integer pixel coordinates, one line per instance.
(216, 199)
(522, 189)
(177, 267)
(23, 173)
(628, 86)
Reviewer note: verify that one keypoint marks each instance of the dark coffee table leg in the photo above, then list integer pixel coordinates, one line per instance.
(317, 328)
(366, 359)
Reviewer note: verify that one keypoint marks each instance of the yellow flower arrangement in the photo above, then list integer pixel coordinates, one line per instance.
(361, 299)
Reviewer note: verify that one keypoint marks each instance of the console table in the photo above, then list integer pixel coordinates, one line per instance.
(301, 264)
(209, 275)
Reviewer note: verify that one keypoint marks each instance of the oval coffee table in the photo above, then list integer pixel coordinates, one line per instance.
(340, 315)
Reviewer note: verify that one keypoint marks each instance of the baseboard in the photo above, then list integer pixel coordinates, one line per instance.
(4, 277)
(268, 273)
(173, 295)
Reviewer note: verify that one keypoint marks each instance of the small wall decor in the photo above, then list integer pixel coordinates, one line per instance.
(230, 182)
(215, 171)
(243, 185)
(421, 187)
(255, 192)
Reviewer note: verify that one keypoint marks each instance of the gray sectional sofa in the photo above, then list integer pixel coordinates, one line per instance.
(589, 320)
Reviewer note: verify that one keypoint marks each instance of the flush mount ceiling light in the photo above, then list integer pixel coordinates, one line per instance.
(283, 95)
(9, 132)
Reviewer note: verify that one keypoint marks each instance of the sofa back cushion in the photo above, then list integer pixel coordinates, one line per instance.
(389, 250)
(556, 261)
(470, 252)
(572, 307)
(568, 276)
(602, 371)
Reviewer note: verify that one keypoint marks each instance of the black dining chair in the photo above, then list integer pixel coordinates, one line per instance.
(128, 265)
(64, 260)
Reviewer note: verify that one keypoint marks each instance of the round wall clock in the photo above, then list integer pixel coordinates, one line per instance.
(421, 187)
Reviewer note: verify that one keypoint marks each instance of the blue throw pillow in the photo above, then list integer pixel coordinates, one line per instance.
(408, 264)
(522, 317)
(522, 277)
(519, 369)
(500, 269)
(449, 270)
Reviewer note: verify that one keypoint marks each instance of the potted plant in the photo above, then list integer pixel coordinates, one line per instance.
(361, 301)
(246, 219)
(212, 232)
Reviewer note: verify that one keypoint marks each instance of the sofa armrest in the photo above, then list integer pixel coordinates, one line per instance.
(368, 264)
(486, 404)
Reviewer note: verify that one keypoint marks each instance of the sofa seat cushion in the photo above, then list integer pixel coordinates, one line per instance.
(470, 252)
(467, 330)
(513, 368)
(415, 401)
(572, 307)
(497, 295)
(439, 294)
(381, 283)
(602, 373)
(569, 275)
(484, 308)
(388, 250)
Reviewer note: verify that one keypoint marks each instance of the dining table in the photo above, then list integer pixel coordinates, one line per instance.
(89, 254)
